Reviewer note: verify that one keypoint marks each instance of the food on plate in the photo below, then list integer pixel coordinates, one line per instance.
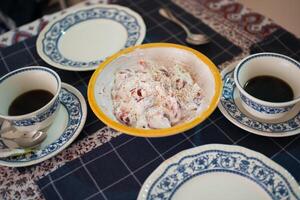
(153, 96)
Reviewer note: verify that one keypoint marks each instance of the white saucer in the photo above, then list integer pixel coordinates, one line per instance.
(231, 107)
(65, 128)
(217, 171)
(82, 38)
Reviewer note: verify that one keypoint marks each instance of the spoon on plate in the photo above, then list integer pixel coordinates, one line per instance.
(191, 38)
(28, 139)
(4, 153)
(26, 143)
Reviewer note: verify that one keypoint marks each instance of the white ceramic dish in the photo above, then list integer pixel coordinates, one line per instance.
(231, 107)
(200, 67)
(65, 128)
(214, 172)
(82, 38)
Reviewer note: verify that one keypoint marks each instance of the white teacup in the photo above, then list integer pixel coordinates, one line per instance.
(270, 64)
(20, 81)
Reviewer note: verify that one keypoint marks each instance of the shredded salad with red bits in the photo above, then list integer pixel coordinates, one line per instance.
(153, 96)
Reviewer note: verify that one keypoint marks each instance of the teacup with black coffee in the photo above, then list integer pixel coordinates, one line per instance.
(268, 84)
(29, 98)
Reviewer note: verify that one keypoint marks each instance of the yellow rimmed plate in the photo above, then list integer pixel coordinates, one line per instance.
(202, 69)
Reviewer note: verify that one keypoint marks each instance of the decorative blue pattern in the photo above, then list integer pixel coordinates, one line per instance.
(176, 174)
(42, 116)
(29, 69)
(267, 55)
(228, 102)
(264, 109)
(39, 117)
(73, 106)
(260, 107)
(52, 36)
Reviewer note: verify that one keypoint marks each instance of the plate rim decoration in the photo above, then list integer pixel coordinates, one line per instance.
(230, 158)
(48, 152)
(70, 67)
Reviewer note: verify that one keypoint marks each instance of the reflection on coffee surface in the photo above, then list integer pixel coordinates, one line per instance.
(269, 88)
(29, 102)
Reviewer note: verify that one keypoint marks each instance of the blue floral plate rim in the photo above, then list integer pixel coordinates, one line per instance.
(50, 36)
(275, 181)
(74, 103)
(230, 106)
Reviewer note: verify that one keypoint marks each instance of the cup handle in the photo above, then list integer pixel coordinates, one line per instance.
(9, 132)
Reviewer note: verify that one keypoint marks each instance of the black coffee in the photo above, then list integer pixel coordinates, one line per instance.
(29, 102)
(269, 88)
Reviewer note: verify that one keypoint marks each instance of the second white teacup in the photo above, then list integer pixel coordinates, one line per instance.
(268, 64)
(23, 80)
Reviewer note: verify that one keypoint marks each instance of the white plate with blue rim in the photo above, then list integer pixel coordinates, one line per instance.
(82, 38)
(231, 107)
(215, 171)
(61, 133)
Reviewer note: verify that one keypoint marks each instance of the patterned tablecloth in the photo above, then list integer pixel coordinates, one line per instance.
(232, 28)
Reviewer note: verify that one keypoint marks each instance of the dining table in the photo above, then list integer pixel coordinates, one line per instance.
(106, 164)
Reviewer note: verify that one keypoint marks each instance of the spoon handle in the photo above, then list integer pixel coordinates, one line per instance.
(167, 13)
(13, 152)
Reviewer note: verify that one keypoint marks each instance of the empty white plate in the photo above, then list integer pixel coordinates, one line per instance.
(214, 172)
(81, 39)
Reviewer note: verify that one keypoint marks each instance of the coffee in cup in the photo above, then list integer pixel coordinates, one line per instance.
(29, 99)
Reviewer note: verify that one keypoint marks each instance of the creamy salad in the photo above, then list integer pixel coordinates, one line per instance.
(152, 96)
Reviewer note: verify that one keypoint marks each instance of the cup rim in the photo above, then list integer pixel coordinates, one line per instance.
(28, 115)
(266, 54)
